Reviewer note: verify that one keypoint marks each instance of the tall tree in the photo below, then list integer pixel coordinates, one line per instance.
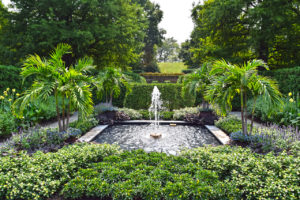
(238, 30)
(109, 31)
(154, 34)
(168, 51)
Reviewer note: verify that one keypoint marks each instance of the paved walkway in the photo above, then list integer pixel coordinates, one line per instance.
(73, 118)
(238, 115)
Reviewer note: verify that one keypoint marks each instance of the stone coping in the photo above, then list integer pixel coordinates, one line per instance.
(89, 136)
(219, 134)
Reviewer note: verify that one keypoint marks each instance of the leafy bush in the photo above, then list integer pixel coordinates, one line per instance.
(229, 124)
(288, 78)
(240, 136)
(288, 114)
(85, 125)
(100, 171)
(40, 139)
(103, 107)
(7, 124)
(166, 115)
(41, 175)
(140, 97)
(10, 78)
(254, 176)
(138, 175)
(181, 113)
(133, 114)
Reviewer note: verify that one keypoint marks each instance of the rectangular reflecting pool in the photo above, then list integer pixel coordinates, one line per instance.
(172, 140)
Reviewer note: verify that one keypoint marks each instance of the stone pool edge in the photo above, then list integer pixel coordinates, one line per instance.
(94, 132)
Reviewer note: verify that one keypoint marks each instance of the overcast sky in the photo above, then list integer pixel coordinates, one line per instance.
(177, 17)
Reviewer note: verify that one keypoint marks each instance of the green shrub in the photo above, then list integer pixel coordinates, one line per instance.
(288, 78)
(166, 115)
(229, 124)
(41, 175)
(7, 124)
(140, 97)
(85, 125)
(40, 139)
(138, 175)
(10, 78)
(133, 114)
(254, 176)
(181, 113)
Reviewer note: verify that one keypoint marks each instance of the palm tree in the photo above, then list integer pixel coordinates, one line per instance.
(110, 81)
(243, 80)
(53, 78)
(197, 82)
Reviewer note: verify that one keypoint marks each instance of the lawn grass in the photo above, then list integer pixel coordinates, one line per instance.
(169, 67)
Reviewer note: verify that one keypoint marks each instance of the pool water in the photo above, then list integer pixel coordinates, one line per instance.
(173, 139)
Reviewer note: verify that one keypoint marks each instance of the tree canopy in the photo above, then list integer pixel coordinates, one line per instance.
(112, 32)
(168, 51)
(240, 30)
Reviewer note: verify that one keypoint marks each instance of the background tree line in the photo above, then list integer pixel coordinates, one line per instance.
(241, 30)
(115, 33)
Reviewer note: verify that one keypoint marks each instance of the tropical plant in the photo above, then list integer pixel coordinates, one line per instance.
(197, 82)
(109, 83)
(53, 77)
(230, 79)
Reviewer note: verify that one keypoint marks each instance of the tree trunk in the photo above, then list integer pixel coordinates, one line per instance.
(245, 113)
(68, 113)
(111, 98)
(252, 115)
(57, 110)
(63, 113)
(242, 111)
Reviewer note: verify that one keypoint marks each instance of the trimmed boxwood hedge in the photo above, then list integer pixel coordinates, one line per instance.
(288, 79)
(140, 97)
(99, 171)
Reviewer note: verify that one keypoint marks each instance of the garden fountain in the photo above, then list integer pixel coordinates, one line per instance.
(156, 106)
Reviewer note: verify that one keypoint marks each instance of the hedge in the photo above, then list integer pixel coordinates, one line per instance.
(10, 78)
(288, 79)
(99, 171)
(140, 97)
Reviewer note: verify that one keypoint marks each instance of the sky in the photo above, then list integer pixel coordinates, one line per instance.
(176, 20)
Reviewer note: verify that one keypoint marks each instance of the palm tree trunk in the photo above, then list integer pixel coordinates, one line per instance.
(245, 113)
(68, 113)
(242, 111)
(252, 114)
(63, 112)
(111, 98)
(57, 110)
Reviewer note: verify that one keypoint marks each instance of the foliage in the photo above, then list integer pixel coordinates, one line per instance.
(53, 78)
(138, 175)
(114, 38)
(104, 107)
(140, 97)
(7, 124)
(254, 176)
(42, 175)
(85, 125)
(168, 51)
(45, 140)
(230, 80)
(181, 113)
(109, 83)
(287, 114)
(133, 114)
(229, 124)
(288, 79)
(89, 170)
(10, 78)
(160, 74)
(240, 30)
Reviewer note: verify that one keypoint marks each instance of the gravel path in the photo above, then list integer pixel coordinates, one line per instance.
(73, 118)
